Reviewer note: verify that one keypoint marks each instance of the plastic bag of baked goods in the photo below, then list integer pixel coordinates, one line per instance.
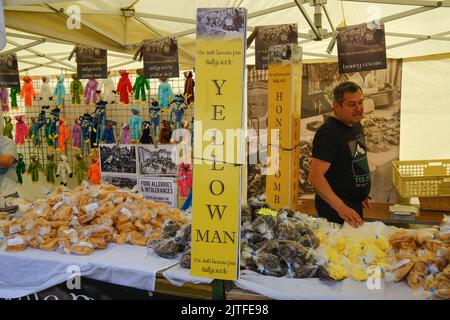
(399, 270)
(166, 248)
(263, 228)
(185, 261)
(15, 244)
(270, 265)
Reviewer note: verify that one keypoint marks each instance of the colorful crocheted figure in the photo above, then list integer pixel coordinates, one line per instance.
(34, 168)
(64, 170)
(98, 123)
(189, 85)
(60, 91)
(94, 172)
(107, 85)
(90, 92)
(46, 94)
(21, 129)
(108, 133)
(54, 127)
(4, 98)
(155, 121)
(164, 93)
(28, 91)
(124, 87)
(8, 128)
(135, 125)
(185, 178)
(146, 137)
(34, 130)
(50, 170)
(125, 136)
(20, 168)
(80, 168)
(13, 95)
(76, 134)
(165, 134)
(76, 90)
(86, 130)
(48, 127)
(63, 134)
(140, 84)
(177, 113)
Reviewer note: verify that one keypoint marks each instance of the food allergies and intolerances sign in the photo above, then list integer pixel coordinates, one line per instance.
(159, 189)
(361, 48)
(219, 143)
(92, 63)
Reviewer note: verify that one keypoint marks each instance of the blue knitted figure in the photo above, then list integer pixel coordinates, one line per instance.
(36, 129)
(86, 129)
(177, 111)
(155, 121)
(60, 90)
(54, 123)
(135, 125)
(164, 93)
(108, 133)
(99, 121)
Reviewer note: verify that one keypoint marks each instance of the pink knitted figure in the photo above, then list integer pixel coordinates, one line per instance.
(90, 91)
(76, 134)
(21, 129)
(4, 99)
(126, 134)
(185, 179)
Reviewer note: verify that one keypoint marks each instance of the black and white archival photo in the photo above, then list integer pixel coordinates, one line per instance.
(118, 158)
(121, 181)
(160, 161)
(221, 23)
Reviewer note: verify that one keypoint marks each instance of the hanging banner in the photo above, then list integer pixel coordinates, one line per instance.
(361, 48)
(159, 189)
(9, 72)
(161, 58)
(91, 63)
(219, 115)
(269, 36)
(2, 28)
(284, 91)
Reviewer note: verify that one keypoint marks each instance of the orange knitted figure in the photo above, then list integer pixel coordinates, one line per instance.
(63, 134)
(94, 172)
(28, 91)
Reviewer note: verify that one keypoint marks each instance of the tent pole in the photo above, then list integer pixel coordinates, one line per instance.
(421, 3)
(40, 54)
(308, 19)
(25, 46)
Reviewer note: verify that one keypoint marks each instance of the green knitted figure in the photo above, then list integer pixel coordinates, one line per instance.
(34, 168)
(139, 86)
(20, 168)
(80, 168)
(51, 168)
(13, 96)
(76, 90)
(8, 129)
(48, 124)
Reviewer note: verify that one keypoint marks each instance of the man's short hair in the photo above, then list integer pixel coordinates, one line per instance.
(342, 88)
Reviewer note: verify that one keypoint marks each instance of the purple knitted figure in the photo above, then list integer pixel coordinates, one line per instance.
(126, 134)
(76, 135)
(4, 99)
(90, 91)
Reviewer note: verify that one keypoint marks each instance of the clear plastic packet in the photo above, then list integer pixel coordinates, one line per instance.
(270, 265)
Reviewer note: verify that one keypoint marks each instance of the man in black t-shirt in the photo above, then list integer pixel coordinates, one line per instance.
(339, 167)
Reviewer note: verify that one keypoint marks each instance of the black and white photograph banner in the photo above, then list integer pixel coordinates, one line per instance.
(118, 158)
(92, 63)
(160, 161)
(160, 58)
(9, 72)
(361, 48)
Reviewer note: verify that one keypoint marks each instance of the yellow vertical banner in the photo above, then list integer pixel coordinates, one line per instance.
(218, 144)
(284, 104)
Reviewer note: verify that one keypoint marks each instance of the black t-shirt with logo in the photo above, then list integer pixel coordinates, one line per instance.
(345, 148)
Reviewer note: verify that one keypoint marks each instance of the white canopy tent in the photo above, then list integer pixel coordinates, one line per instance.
(417, 30)
(43, 33)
